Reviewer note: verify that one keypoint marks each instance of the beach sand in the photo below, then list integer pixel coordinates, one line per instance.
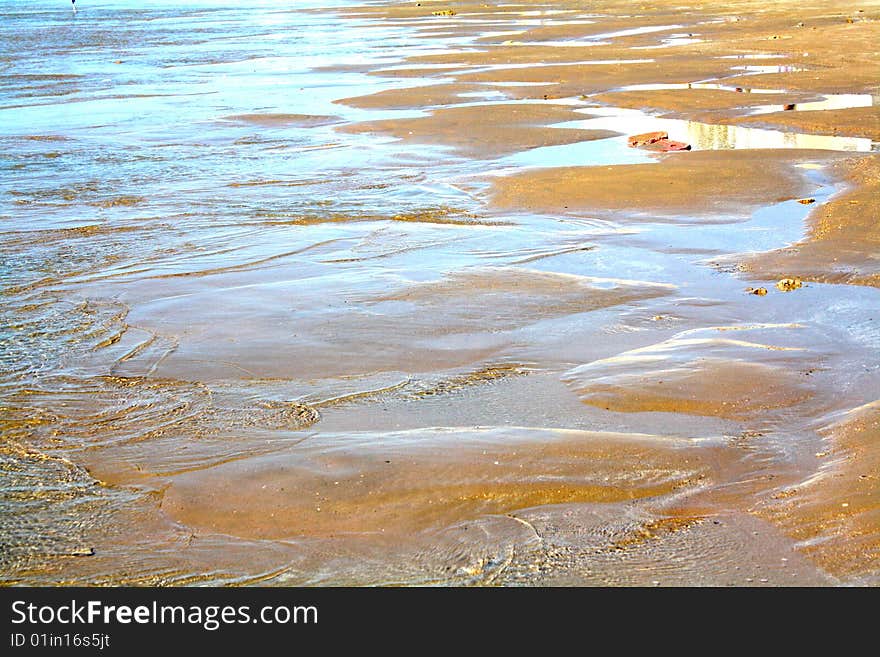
(520, 352)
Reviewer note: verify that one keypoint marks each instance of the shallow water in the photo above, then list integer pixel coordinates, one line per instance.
(244, 345)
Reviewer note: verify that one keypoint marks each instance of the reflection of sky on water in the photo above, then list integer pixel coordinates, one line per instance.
(830, 102)
(674, 40)
(774, 69)
(701, 136)
(755, 55)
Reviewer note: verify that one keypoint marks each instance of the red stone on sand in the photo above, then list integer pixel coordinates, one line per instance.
(667, 145)
(646, 138)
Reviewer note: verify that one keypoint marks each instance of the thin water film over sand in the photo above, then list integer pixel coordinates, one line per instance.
(381, 293)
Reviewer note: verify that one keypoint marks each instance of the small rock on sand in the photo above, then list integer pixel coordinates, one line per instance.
(657, 141)
(789, 284)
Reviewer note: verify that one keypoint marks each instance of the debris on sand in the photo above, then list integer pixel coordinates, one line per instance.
(657, 141)
(646, 138)
(444, 12)
(667, 146)
(806, 201)
(78, 552)
(789, 284)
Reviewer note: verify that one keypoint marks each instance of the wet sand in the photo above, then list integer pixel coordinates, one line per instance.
(507, 128)
(842, 236)
(690, 183)
(415, 313)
